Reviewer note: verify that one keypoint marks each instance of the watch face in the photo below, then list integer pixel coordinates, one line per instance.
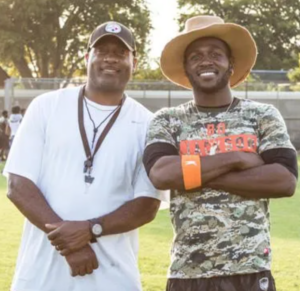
(97, 229)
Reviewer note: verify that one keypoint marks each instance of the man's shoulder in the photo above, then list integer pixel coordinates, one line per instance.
(48, 103)
(52, 95)
(258, 107)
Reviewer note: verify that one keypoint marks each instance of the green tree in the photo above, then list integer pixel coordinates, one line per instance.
(48, 38)
(146, 72)
(275, 25)
(294, 75)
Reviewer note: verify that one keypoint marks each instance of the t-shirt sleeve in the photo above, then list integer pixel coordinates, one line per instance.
(284, 157)
(272, 131)
(160, 130)
(143, 187)
(26, 154)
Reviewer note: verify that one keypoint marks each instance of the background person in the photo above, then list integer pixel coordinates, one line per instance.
(14, 122)
(4, 138)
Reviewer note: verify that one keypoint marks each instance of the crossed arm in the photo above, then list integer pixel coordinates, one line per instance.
(266, 181)
(73, 237)
(240, 173)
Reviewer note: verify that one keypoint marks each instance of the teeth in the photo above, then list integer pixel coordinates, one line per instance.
(110, 71)
(207, 74)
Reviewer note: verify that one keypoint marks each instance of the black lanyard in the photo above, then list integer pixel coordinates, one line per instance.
(88, 163)
(95, 129)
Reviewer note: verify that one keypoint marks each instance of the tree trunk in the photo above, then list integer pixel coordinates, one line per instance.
(24, 70)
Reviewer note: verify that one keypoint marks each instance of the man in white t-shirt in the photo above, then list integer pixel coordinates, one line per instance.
(83, 200)
(15, 120)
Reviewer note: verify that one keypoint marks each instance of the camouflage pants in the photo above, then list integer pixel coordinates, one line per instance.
(262, 281)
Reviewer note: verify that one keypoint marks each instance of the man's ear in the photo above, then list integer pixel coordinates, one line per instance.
(231, 70)
(231, 65)
(86, 58)
(135, 63)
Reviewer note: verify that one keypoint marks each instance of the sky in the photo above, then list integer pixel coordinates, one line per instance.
(163, 14)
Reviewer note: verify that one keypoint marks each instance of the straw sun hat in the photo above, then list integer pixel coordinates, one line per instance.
(238, 38)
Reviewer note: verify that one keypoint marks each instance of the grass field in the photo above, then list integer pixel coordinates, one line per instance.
(155, 240)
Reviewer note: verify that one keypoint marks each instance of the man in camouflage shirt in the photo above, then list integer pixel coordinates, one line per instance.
(222, 229)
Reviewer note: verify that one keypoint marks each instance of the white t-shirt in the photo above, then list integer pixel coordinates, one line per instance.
(49, 151)
(14, 123)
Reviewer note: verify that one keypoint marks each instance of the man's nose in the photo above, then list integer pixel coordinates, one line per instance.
(206, 60)
(111, 57)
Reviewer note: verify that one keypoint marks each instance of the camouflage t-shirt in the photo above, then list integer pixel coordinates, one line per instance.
(218, 233)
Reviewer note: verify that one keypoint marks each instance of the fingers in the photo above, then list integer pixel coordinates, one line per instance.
(83, 262)
(67, 249)
(51, 226)
(82, 270)
(58, 242)
(65, 252)
(53, 234)
(95, 263)
(89, 268)
(55, 229)
(75, 271)
(59, 247)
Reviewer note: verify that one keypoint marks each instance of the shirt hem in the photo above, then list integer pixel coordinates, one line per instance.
(203, 276)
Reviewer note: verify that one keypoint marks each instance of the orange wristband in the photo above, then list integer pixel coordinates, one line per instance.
(191, 171)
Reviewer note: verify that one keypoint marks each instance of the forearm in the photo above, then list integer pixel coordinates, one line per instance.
(167, 171)
(267, 181)
(27, 197)
(129, 216)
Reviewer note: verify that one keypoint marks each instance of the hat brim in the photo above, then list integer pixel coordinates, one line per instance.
(238, 38)
(115, 35)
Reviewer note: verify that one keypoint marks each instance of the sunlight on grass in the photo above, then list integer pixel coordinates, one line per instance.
(155, 242)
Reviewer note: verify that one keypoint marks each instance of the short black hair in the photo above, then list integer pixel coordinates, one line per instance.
(4, 113)
(16, 110)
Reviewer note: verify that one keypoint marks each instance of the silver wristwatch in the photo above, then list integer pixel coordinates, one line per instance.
(96, 229)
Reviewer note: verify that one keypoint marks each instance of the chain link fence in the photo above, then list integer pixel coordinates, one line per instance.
(158, 94)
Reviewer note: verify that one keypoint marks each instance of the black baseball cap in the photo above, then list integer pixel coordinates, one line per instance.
(115, 29)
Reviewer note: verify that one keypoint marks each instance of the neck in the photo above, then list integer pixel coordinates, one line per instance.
(215, 99)
(103, 97)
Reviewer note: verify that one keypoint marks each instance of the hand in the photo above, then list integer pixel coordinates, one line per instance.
(249, 160)
(69, 236)
(82, 262)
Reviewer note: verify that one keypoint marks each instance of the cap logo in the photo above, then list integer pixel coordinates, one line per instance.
(113, 27)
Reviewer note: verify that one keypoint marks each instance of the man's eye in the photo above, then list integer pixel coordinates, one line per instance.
(122, 52)
(215, 55)
(195, 58)
(100, 50)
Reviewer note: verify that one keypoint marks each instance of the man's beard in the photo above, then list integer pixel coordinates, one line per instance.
(106, 86)
(222, 83)
(98, 82)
